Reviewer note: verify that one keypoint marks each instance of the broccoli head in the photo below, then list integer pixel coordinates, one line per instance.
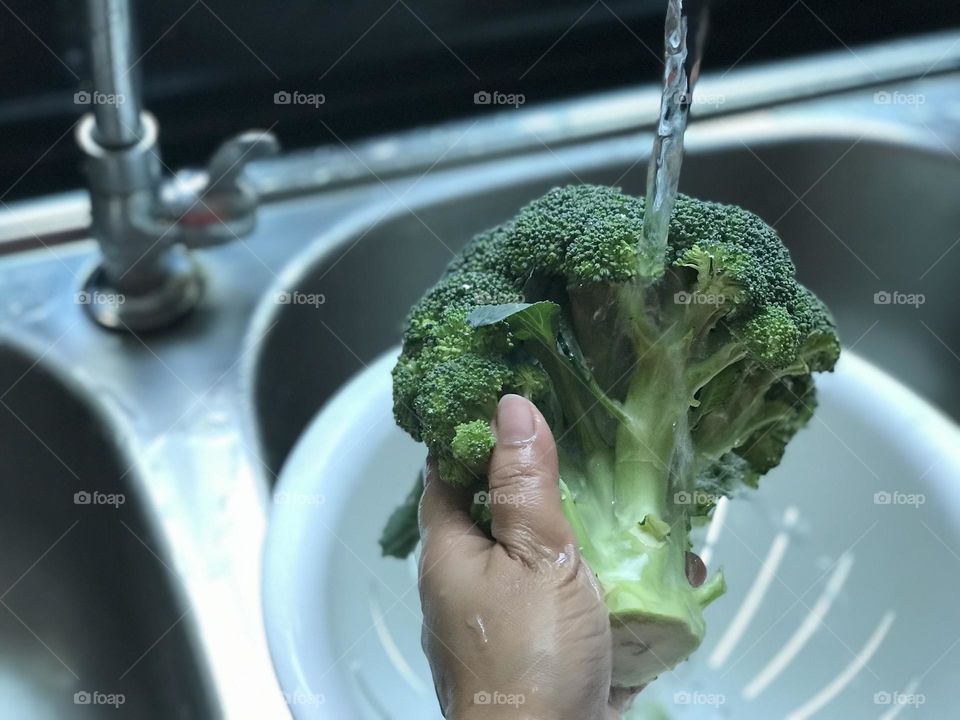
(670, 380)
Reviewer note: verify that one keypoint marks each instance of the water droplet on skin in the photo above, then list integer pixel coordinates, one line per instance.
(477, 624)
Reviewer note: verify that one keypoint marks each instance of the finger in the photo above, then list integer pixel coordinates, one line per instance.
(524, 482)
(444, 509)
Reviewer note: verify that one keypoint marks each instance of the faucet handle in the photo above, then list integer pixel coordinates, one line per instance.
(229, 161)
(217, 205)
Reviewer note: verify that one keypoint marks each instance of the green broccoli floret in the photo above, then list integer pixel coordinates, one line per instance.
(670, 380)
(472, 444)
(453, 395)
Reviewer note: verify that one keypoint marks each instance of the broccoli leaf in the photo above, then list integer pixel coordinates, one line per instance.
(527, 321)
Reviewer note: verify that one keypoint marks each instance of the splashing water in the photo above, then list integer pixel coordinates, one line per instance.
(681, 68)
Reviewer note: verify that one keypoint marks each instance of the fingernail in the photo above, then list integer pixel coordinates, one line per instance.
(516, 423)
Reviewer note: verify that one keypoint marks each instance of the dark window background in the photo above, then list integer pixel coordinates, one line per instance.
(211, 67)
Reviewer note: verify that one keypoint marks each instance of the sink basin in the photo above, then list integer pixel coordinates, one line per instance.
(862, 196)
(837, 604)
(90, 616)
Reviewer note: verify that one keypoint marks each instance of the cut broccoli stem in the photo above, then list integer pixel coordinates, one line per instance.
(711, 589)
(701, 372)
(575, 518)
(767, 415)
(738, 420)
(653, 443)
(577, 412)
(579, 395)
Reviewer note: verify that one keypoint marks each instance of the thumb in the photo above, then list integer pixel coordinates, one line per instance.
(524, 483)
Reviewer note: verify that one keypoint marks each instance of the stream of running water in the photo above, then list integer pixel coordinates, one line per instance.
(684, 34)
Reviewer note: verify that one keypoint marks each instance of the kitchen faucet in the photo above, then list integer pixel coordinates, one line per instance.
(145, 224)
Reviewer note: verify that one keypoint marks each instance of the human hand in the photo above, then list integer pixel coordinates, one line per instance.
(515, 626)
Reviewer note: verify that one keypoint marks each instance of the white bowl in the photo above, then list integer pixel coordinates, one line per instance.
(843, 570)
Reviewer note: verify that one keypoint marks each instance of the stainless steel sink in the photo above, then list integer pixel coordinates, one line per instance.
(83, 595)
(159, 599)
(149, 607)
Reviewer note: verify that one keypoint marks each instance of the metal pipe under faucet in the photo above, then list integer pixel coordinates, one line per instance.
(115, 76)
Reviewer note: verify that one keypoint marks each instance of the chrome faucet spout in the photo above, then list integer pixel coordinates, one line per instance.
(145, 225)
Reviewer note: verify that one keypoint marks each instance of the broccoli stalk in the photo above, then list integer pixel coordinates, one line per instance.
(668, 382)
